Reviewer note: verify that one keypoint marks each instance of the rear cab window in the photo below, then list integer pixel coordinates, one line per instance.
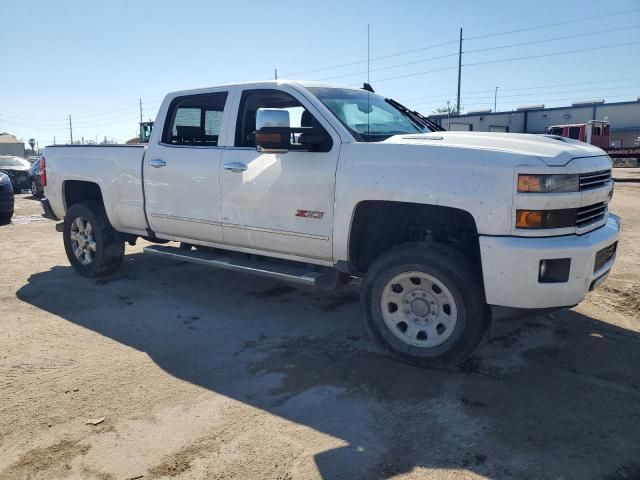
(195, 120)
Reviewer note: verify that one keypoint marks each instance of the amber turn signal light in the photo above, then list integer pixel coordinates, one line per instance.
(529, 219)
(546, 218)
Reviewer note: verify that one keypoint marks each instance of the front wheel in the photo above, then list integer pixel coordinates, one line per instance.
(93, 247)
(424, 303)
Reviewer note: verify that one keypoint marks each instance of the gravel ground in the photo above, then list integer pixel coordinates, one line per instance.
(206, 374)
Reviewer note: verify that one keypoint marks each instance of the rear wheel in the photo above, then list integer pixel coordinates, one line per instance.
(93, 247)
(424, 303)
(35, 192)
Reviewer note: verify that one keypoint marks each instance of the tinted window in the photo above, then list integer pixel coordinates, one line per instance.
(574, 132)
(252, 100)
(195, 120)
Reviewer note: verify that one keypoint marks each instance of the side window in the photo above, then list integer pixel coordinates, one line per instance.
(252, 100)
(574, 132)
(195, 120)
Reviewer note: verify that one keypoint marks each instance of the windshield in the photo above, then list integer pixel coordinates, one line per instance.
(369, 117)
(13, 162)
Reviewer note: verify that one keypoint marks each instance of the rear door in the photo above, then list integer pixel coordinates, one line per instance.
(182, 169)
(278, 202)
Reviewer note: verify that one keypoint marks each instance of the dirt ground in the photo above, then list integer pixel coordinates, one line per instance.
(206, 374)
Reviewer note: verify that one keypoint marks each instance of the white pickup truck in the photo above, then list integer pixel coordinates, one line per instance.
(314, 184)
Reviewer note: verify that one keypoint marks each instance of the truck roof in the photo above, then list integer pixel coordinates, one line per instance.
(279, 82)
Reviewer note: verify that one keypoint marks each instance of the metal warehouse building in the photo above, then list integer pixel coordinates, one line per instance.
(624, 118)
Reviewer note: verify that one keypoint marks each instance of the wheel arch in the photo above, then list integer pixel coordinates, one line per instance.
(378, 225)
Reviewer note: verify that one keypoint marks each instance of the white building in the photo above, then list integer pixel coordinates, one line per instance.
(624, 118)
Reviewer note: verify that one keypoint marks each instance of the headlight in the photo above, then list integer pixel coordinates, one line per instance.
(548, 183)
(562, 218)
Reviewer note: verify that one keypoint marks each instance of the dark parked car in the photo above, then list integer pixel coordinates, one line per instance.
(6, 199)
(36, 186)
(18, 171)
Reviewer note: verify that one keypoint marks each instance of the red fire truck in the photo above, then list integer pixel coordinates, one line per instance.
(595, 132)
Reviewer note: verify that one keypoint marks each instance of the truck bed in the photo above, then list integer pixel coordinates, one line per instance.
(116, 169)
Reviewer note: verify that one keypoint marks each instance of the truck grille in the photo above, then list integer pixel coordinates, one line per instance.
(591, 214)
(594, 179)
(604, 255)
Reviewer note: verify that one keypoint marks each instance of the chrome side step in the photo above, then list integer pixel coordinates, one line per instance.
(280, 271)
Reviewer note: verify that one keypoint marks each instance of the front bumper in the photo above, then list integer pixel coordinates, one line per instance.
(510, 267)
(20, 183)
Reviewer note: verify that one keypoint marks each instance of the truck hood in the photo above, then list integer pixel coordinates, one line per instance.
(15, 168)
(553, 150)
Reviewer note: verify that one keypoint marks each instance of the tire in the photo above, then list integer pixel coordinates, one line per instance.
(5, 218)
(102, 249)
(35, 191)
(439, 314)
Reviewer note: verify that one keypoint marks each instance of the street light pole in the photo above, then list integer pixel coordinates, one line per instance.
(459, 74)
(495, 100)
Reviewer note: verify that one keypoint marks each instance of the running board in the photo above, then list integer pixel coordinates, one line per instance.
(298, 274)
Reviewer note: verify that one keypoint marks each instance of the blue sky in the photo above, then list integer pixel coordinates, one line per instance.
(95, 60)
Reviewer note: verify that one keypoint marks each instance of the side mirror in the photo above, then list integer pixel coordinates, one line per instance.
(273, 132)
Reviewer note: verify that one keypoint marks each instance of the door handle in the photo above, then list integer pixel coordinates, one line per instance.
(157, 163)
(235, 167)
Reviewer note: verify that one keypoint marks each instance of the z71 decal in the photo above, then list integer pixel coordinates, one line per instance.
(309, 214)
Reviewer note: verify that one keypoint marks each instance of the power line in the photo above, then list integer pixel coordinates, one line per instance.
(566, 22)
(424, 60)
(489, 93)
(415, 74)
(452, 42)
(383, 57)
(547, 40)
(565, 52)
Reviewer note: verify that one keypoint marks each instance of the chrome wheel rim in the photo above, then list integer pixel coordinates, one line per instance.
(418, 309)
(83, 240)
(34, 188)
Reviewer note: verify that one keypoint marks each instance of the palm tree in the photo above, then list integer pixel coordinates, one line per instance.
(32, 143)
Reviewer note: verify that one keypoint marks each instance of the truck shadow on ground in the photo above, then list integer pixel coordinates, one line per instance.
(558, 398)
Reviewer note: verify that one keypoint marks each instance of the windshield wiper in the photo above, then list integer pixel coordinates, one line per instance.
(417, 117)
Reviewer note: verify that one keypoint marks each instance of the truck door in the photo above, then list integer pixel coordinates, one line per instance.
(278, 202)
(182, 168)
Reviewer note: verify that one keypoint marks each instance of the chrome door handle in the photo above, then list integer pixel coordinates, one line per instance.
(157, 163)
(235, 167)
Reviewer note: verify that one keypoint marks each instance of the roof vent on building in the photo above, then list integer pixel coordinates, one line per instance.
(480, 110)
(587, 102)
(530, 107)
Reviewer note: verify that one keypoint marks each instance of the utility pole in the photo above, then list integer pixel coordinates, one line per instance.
(70, 129)
(140, 109)
(495, 100)
(275, 73)
(459, 73)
